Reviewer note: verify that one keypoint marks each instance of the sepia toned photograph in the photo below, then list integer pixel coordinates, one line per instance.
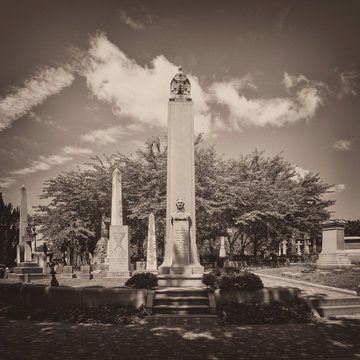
(179, 179)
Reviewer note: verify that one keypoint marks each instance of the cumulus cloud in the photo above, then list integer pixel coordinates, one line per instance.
(43, 163)
(34, 91)
(133, 90)
(343, 145)
(300, 172)
(110, 135)
(302, 103)
(338, 188)
(6, 182)
(348, 84)
(126, 19)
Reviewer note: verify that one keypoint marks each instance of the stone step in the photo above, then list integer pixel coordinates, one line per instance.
(182, 291)
(182, 301)
(338, 310)
(27, 270)
(184, 319)
(175, 294)
(180, 280)
(336, 302)
(28, 264)
(181, 309)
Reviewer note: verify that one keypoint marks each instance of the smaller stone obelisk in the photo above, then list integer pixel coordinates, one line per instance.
(119, 251)
(24, 248)
(151, 261)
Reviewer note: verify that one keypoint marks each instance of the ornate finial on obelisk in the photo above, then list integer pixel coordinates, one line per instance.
(116, 201)
(180, 87)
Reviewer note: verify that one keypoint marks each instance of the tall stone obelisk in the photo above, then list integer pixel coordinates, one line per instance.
(119, 251)
(24, 248)
(181, 256)
(151, 260)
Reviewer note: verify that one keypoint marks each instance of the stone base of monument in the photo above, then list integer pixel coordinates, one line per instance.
(27, 277)
(122, 274)
(180, 280)
(181, 270)
(336, 260)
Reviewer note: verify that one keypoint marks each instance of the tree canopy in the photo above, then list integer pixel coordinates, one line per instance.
(253, 200)
(9, 232)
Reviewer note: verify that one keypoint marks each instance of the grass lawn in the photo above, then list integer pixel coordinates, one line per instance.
(78, 282)
(347, 280)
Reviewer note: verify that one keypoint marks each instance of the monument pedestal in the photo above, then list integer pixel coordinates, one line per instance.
(119, 252)
(333, 255)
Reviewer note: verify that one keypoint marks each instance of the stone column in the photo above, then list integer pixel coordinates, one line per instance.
(119, 250)
(151, 260)
(284, 247)
(332, 255)
(180, 185)
(24, 247)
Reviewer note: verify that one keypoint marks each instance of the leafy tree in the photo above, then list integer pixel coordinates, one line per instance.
(269, 201)
(9, 232)
(253, 200)
(352, 228)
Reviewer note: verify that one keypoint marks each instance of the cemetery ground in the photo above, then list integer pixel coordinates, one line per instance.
(345, 279)
(180, 338)
(325, 339)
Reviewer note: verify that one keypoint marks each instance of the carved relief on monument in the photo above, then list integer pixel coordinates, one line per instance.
(181, 223)
(180, 87)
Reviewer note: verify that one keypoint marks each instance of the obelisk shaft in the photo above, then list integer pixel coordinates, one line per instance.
(23, 215)
(116, 201)
(180, 247)
(24, 247)
(119, 251)
(151, 260)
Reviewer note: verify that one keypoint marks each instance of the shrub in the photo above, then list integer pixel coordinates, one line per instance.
(231, 270)
(105, 314)
(210, 280)
(293, 311)
(243, 281)
(143, 280)
(230, 279)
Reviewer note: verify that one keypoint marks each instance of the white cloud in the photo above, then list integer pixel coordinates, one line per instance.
(300, 172)
(136, 91)
(6, 182)
(33, 92)
(126, 19)
(338, 188)
(301, 104)
(343, 145)
(43, 163)
(348, 84)
(110, 135)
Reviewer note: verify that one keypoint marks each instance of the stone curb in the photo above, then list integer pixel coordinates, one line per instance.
(344, 291)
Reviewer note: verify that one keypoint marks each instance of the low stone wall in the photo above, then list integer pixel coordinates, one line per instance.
(39, 295)
(259, 296)
(353, 255)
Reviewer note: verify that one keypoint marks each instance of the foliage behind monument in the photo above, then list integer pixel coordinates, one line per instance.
(252, 200)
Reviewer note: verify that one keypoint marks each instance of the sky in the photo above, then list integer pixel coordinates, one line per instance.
(81, 78)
